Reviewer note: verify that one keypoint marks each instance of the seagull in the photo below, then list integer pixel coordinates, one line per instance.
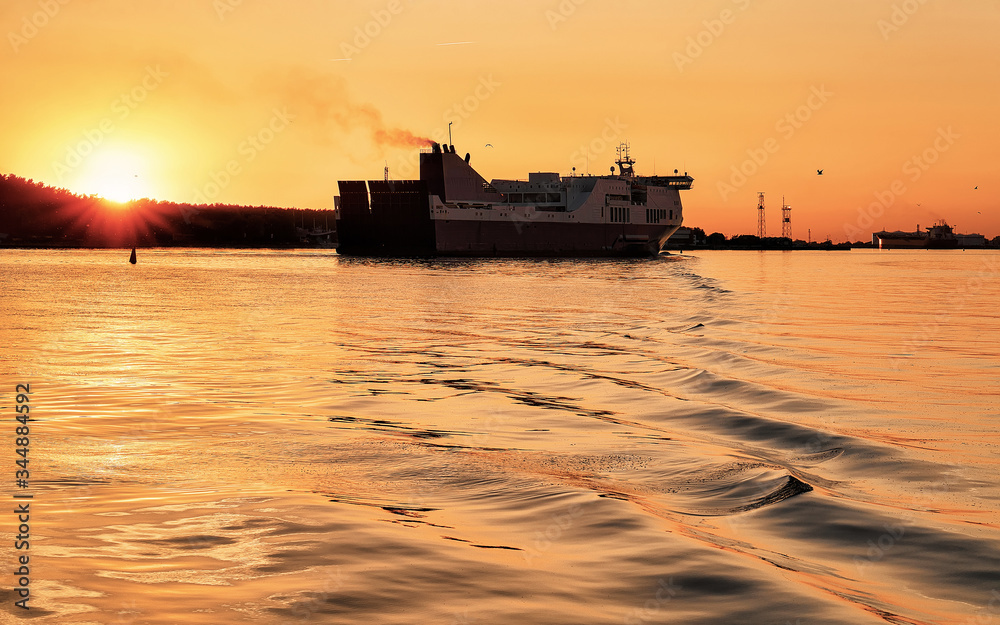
(976, 188)
(819, 172)
(489, 145)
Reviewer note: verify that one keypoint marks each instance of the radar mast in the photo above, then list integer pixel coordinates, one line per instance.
(624, 161)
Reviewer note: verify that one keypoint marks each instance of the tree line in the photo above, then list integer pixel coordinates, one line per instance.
(34, 214)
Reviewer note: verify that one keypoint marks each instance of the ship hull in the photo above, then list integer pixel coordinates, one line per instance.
(918, 244)
(490, 238)
(902, 244)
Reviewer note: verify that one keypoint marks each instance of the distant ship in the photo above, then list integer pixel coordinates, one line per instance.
(453, 211)
(938, 236)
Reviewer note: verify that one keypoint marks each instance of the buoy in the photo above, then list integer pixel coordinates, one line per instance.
(131, 258)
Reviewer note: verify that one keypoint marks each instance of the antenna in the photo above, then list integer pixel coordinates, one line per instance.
(450, 142)
(786, 219)
(761, 226)
(624, 161)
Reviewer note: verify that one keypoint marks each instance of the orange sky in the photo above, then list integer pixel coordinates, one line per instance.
(267, 102)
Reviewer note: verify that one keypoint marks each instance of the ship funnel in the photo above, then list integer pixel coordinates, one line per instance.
(468, 157)
(436, 147)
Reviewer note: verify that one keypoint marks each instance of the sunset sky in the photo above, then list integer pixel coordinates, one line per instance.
(267, 102)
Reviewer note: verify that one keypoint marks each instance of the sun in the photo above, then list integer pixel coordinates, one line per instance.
(115, 174)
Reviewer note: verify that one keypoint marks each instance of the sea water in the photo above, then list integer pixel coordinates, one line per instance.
(297, 437)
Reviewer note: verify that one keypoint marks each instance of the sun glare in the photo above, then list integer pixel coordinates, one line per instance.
(116, 175)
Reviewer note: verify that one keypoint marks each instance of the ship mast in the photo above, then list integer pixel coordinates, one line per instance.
(624, 161)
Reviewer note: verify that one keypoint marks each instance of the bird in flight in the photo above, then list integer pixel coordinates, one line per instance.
(976, 188)
(819, 172)
(489, 145)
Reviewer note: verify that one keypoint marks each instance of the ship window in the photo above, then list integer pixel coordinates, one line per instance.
(552, 197)
(515, 198)
(671, 213)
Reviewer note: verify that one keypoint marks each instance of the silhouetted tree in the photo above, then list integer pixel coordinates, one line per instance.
(716, 238)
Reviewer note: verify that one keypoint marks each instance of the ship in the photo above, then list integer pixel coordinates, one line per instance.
(938, 236)
(453, 211)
